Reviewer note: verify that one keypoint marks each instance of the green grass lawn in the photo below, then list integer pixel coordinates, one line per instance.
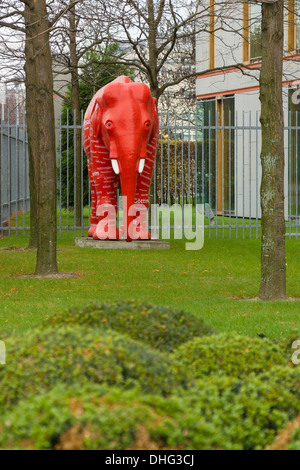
(209, 283)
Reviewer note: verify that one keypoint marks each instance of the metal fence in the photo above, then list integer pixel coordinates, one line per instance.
(200, 161)
(14, 181)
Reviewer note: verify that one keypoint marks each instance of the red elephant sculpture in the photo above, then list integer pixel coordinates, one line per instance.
(120, 138)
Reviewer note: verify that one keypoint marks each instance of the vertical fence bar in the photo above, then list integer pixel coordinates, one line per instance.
(60, 177)
(17, 172)
(196, 170)
(296, 175)
(223, 171)
(9, 172)
(236, 176)
(229, 170)
(161, 178)
(289, 173)
(250, 170)
(209, 161)
(243, 190)
(182, 171)
(216, 164)
(25, 176)
(68, 173)
(189, 171)
(1, 169)
(81, 182)
(74, 168)
(256, 173)
(175, 178)
(168, 133)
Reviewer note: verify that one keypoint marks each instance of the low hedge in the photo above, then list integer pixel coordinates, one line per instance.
(162, 328)
(75, 354)
(222, 413)
(88, 379)
(232, 354)
(249, 411)
(94, 417)
(295, 440)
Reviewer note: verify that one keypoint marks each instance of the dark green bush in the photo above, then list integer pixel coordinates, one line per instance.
(161, 327)
(232, 354)
(220, 413)
(75, 354)
(251, 411)
(295, 441)
(95, 417)
(75, 382)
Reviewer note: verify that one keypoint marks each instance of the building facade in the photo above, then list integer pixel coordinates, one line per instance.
(228, 58)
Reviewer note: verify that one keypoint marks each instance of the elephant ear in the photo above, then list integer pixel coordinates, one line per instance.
(96, 119)
(155, 118)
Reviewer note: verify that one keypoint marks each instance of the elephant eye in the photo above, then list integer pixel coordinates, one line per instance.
(108, 124)
(147, 124)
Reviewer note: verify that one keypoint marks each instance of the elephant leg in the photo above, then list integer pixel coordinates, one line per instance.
(93, 217)
(87, 149)
(106, 185)
(142, 193)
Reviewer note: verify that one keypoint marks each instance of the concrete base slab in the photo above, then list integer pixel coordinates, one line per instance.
(87, 242)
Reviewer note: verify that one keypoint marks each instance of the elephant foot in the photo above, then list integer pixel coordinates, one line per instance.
(139, 234)
(141, 231)
(106, 232)
(92, 230)
(142, 235)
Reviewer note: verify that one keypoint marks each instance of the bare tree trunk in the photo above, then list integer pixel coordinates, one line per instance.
(273, 267)
(41, 135)
(76, 112)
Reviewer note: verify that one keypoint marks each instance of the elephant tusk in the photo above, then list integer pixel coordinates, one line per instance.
(115, 166)
(141, 165)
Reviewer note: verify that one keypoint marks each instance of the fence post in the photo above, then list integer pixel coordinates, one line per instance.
(1, 232)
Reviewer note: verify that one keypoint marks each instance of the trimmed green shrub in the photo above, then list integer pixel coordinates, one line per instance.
(110, 377)
(232, 354)
(251, 411)
(223, 413)
(76, 354)
(96, 417)
(295, 440)
(162, 328)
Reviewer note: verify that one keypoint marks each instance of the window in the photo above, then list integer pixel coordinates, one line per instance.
(293, 26)
(252, 31)
(246, 32)
(294, 157)
(255, 31)
(217, 145)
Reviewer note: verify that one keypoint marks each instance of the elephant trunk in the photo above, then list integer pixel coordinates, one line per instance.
(128, 185)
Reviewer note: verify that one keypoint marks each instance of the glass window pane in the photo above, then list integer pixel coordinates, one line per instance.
(255, 31)
(207, 145)
(294, 157)
(228, 152)
(210, 141)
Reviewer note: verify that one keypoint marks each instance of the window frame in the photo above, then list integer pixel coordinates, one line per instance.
(211, 28)
(292, 28)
